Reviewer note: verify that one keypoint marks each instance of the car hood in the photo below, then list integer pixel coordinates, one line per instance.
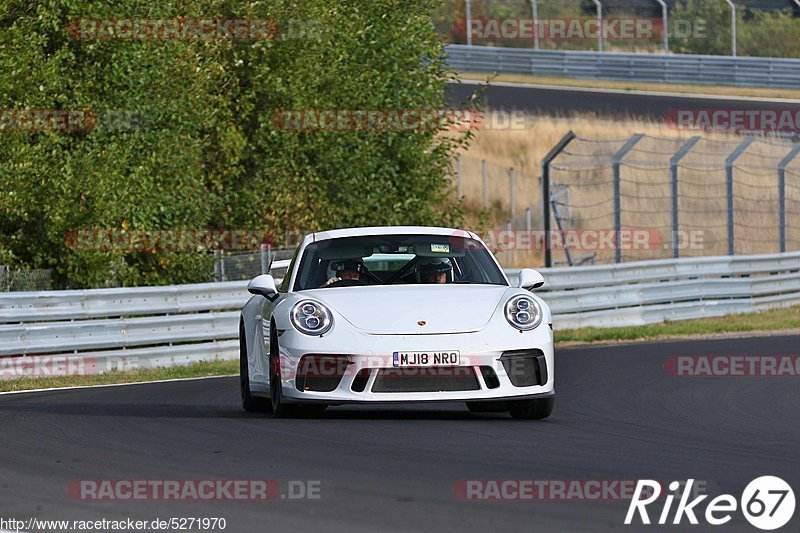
(399, 310)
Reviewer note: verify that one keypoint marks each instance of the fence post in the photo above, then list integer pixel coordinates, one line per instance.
(599, 7)
(617, 164)
(468, 8)
(528, 221)
(485, 176)
(729, 191)
(782, 195)
(733, 27)
(513, 185)
(548, 159)
(665, 23)
(510, 255)
(673, 171)
(217, 265)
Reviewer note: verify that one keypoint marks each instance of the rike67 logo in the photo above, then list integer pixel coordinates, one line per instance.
(768, 503)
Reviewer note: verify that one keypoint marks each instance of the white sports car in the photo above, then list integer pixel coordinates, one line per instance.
(396, 314)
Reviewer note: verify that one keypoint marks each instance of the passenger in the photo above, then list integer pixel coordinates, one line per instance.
(435, 271)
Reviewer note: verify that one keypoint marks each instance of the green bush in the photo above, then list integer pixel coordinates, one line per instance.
(203, 151)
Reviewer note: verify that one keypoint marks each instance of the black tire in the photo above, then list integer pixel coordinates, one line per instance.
(250, 403)
(487, 407)
(278, 406)
(532, 409)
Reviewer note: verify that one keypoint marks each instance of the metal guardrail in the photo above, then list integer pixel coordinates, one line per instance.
(673, 68)
(111, 329)
(120, 329)
(646, 292)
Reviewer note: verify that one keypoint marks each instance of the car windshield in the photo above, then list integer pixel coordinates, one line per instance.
(396, 260)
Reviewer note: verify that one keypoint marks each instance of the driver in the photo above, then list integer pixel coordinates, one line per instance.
(434, 271)
(349, 269)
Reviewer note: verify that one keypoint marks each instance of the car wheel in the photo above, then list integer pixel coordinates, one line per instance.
(250, 403)
(279, 407)
(487, 407)
(531, 409)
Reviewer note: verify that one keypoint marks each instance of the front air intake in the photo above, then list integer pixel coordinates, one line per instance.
(428, 379)
(320, 373)
(525, 368)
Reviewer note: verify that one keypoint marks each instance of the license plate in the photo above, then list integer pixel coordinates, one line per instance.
(423, 359)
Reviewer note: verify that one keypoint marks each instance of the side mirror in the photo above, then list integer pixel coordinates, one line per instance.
(530, 279)
(263, 285)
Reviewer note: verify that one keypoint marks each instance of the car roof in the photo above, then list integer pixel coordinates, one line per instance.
(390, 230)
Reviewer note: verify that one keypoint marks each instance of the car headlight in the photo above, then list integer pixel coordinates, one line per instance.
(311, 318)
(524, 313)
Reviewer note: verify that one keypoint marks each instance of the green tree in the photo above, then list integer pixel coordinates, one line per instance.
(198, 147)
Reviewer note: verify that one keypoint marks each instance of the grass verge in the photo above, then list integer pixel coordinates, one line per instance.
(771, 320)
(751, 92)
(196, 370)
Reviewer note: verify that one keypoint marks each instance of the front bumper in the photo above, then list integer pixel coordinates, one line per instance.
(495, 365)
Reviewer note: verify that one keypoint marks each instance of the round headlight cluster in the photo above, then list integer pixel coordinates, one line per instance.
(311, 318)
(523, 312)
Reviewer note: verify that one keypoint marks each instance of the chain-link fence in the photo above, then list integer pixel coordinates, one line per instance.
(646, 197)
(245, 266)
(13, 280)
(500, 192)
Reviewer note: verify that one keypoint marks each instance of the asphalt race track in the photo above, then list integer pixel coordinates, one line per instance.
(619, 416)
(564, 101)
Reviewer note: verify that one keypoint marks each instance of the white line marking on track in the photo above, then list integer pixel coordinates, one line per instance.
(112, 385)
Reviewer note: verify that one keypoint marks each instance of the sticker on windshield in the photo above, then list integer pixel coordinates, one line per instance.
(440, 248)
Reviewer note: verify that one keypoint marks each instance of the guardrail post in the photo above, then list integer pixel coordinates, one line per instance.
(729, 186)
(782, 195)
(617, 164)
(548, 159)
(673, 171)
